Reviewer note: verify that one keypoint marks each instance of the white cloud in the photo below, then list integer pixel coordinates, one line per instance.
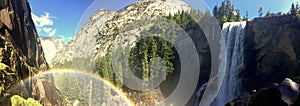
(43, 20)
(44, 24)
(47, 30)
(46, 20)
(52, 33)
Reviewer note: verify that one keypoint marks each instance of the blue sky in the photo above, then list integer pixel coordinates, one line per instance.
(62, 18)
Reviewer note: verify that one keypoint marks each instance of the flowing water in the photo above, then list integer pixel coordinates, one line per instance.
(234, 35)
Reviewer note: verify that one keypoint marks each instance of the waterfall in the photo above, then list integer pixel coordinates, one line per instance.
(234, 35)
(199, 93)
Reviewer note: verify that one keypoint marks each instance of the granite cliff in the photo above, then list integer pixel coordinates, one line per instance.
(271, 55)
(22, 56)
(51, 46)
(271, 49)
(95, 38)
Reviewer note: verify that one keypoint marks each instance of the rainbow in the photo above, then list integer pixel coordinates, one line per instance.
(118, 90)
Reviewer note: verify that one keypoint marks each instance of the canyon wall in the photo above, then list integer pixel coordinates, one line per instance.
(22, 56)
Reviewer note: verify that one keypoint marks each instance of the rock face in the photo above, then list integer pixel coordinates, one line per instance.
(51, 46)
(63, 55)
(270, 53)
(137, 11)
(86, 38)
(267, 97)
(98, 34)
(21, 55)
(270, 50)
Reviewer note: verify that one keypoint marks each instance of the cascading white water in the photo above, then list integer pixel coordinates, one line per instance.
(234, 35)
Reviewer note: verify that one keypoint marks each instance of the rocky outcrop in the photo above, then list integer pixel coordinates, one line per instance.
(86, 38)
(51, 46)
(63, 55)
(97, 36)
(21, 55)
(285, 94)
(289, 91)
(130, 15)
(269, 50)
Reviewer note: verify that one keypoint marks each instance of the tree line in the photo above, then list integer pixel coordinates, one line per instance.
(227, 13)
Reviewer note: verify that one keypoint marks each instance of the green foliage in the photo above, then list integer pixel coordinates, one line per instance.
(148, 49)
(268, 14)
(184, 19)
(224, 19)
(17, 100)
(238, 15)
(226, 13)
(65, 64)
(3, 66)
(77, 86)
(104, 69)
(67, 83)
(294, 9)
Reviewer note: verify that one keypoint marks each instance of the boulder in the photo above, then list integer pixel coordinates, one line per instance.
(267, 97)
(285, 94)
(289, 90)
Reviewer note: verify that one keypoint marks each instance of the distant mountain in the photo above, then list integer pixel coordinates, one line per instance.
(51, 46)
(97, 35)
(63, 56)
(105, 30)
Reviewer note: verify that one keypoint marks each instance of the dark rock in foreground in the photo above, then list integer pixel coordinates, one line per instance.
(285, 94)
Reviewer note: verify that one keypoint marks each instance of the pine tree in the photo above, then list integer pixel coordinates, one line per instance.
(268, 14)
(216, 12)
(246, 17)
(226, 13)
(230, 11)
(238, 15)
(293, 9)
(224, 19)
(260, 11)
(297, 6)
(222, 9)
